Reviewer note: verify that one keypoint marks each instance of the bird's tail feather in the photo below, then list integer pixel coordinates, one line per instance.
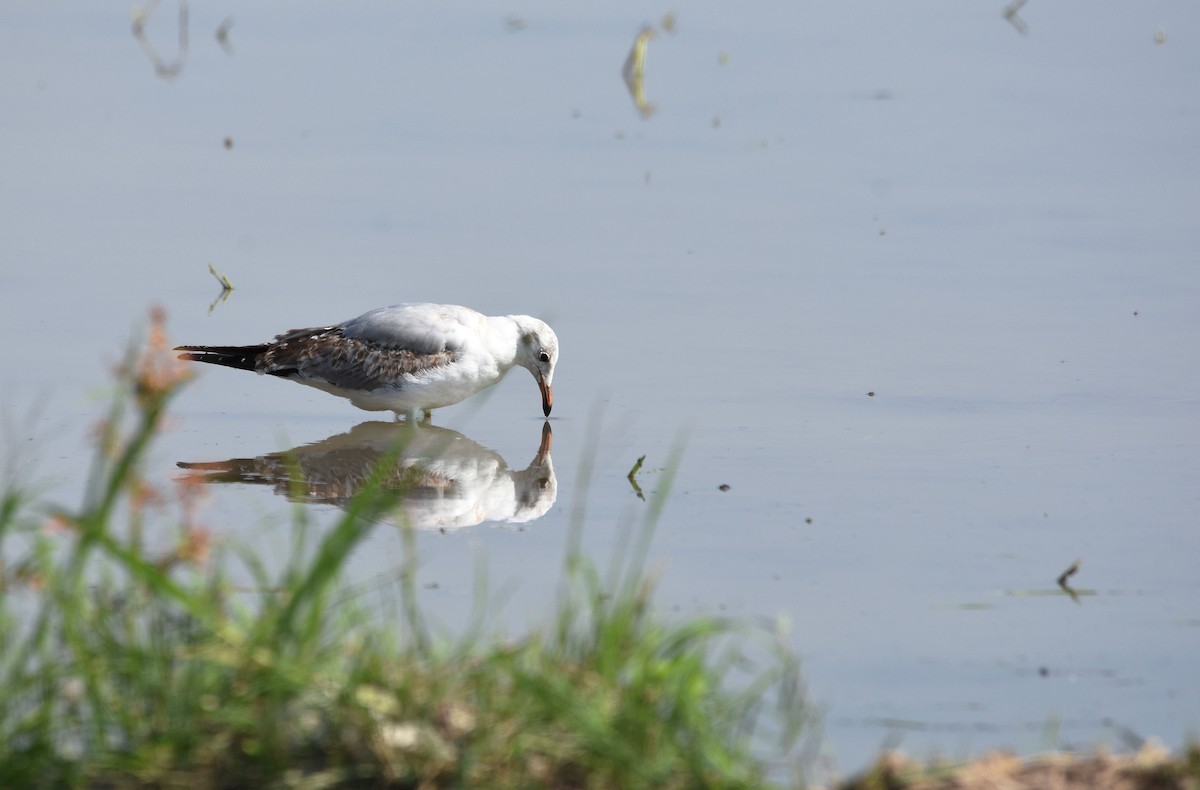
(240, 357)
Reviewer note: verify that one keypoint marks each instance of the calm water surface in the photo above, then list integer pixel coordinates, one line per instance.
(994, 232)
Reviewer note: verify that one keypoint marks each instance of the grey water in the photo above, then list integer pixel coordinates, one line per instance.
(916, 284)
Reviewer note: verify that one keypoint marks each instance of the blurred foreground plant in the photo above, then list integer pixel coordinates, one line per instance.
(122, 669)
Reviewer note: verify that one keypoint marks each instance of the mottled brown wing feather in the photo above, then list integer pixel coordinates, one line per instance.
(349, 363)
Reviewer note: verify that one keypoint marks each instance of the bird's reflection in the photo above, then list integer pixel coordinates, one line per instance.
(445, 481)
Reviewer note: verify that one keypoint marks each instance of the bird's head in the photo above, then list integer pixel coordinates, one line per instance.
(538, 353)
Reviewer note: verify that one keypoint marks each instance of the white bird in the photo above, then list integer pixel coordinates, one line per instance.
(405, 358)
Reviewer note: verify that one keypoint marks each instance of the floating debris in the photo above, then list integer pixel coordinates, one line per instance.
(637, 489)
(163, 69)
(222, 279)
(1067, 574)
(226, 285)
(1010, 13)
(222, 35)
(634, 71)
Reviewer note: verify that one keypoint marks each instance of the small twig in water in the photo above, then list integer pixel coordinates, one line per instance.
(1065, 576)
(637, 489)
(163, 69)
(634, 71)
(226, 288)
(222, 279)
(1010, 13)
(222, 35)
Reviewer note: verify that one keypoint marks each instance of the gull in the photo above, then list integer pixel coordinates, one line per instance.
(404, 358)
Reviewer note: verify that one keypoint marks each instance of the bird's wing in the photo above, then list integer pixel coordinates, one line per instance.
(369, 352)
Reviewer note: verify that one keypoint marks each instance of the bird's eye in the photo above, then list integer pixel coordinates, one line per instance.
(544, 357)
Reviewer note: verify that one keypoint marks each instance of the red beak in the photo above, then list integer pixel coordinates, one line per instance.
(547, 396)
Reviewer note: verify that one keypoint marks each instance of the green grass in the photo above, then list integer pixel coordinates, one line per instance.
(126, 668)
